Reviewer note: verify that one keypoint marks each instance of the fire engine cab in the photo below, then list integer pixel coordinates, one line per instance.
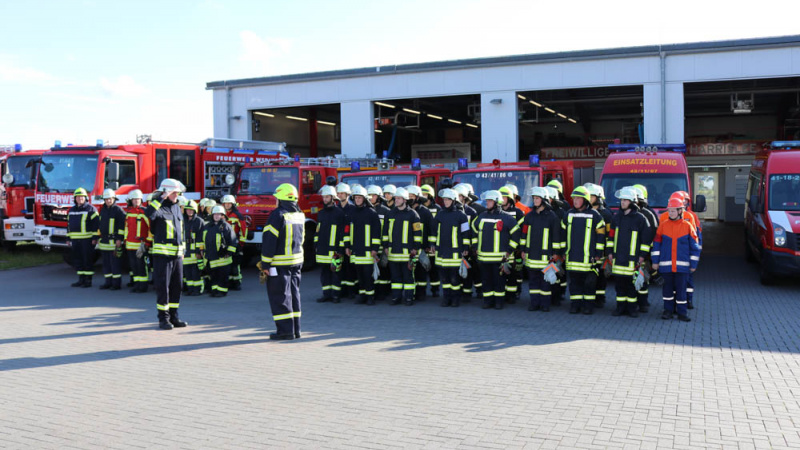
(661, 168)
(18, 170)
(400, 176)
(772, 210)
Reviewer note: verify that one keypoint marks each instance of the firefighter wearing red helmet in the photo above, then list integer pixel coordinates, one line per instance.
(675, 254)
(692, 218)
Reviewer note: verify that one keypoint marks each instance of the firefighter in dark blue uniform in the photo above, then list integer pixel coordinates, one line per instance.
(383, 285)
(282, 261)
(329, 245)
(428, 201)
(514, 279)
(166, 225)
(82, 231)
(415, 200)
(597, 197)
(193, 230)
(347, 275)
(474, 277)
(586, 232)
(652, 222)
(627, 246)
(362, 241)
(560, 207)
(541, 243)
(112, 231)
(402, 240)
(451, 242)
(219, 246)
(492, 238)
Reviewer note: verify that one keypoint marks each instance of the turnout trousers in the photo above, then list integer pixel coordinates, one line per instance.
(168, 281)
(494, 283)
(540, 291)
(403, 285)
(331, 285)
(112, 268)
(139, 271)
(283, 291)
(451, 285)
(82, 252)
(366, 284)
(582, 288)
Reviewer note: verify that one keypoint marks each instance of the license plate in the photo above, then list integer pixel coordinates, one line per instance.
(60, 232)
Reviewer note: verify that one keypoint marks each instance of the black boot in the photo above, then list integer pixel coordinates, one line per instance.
(666, 315)
(236, 285)
(633, 310)
(487, 304)
(574, 307)
(684, 318)
(336, 300)
(361, 299)
(445, 303)
(281, 337)
(395, 301)
(434, 293)
(456, 302)
(87, 282)
(322, 300)
(371, 300)
(620, 309)
(175, 320)
(533, 307)
(588, 308)
(163, 320)
(78, 283)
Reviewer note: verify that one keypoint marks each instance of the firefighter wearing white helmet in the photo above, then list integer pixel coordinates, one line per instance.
(137, 228)
(383, 284)
(388, 195)
(219, 245)
(112, 234)
(559, 208)
(402, 240)
(474, 279)
(193, 259)
(627, 246)
(652, 222)
(329, 245)
(597, 200)
(362, 242)
(169, 243)
(348, 271)
(416, 201)
(451, 240)
(541, 243)
(494, 243)
(239, 225)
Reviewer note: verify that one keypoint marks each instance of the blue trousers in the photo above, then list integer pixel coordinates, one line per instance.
(674, 292)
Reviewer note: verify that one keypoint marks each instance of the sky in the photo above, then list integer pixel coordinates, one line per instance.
(82, 70)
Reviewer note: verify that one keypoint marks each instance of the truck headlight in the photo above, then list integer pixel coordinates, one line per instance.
(780, 236)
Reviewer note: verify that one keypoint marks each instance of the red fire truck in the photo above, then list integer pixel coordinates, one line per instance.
(18, 170)
(494, 175)
(772, 210)
(400, 176)
(661, 168)
(206, 169)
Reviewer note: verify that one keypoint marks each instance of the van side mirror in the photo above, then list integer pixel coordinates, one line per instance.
(112, 172)
(699, 204)
(244, 186)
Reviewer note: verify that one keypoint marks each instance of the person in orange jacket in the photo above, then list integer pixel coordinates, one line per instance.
(675, 255)
(690, 216)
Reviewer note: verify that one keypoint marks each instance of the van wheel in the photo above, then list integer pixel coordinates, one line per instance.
(309, 259)
(748, 252)
(765, 277)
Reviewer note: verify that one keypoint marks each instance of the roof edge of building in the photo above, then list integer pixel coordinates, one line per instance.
(621, 52)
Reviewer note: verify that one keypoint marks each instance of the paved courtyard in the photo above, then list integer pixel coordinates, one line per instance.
(84, 368)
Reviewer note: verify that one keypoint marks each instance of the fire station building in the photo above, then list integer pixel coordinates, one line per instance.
(722, 99)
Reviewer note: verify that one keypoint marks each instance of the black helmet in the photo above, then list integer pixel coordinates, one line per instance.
(331, 180)
(445, 183)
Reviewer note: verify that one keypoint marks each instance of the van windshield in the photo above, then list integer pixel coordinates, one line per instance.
(494, 179)
(659, 186)
(784, 192)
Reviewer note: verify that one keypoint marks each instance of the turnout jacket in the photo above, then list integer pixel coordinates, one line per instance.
(166, 226)
(282, 240)
(433, 207)
(652, 221)
(402, 232)
(451, 236)
(137, 227)
(540, 237)
(426, 220)
(237, 222)
(193, 230)
(329, 238)
(675, 247)
(585, 236)
(628, 240)
(219, 243)
(83, 222)
(112, 226)
(492, 235)
(363, 234)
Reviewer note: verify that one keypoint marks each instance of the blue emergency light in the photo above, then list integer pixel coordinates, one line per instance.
(355, 166)
(463, 164)
(58, 144)
(533, 160)
(99, 142)
(17, 148)
(416, 164)
(785, 144)
(297, 157)
(385, 154)
(648, 148)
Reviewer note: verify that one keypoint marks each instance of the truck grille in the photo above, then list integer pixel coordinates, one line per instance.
(56, 213)
(259, 220)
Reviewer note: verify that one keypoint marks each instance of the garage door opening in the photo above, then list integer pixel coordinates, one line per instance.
(311, 131)
(578, 123)
(435, 129)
